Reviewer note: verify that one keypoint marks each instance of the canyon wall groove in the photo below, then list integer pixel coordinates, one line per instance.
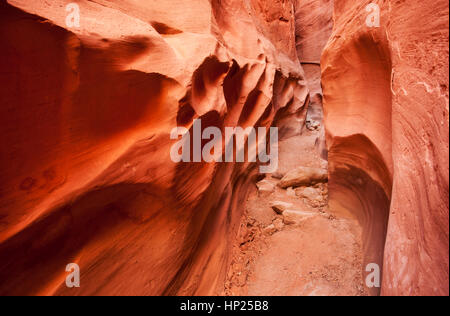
(386, 112)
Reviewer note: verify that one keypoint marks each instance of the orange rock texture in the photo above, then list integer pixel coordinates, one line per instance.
(86, 114)
(386, 112)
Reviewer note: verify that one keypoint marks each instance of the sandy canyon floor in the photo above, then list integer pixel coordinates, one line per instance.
(317, 254)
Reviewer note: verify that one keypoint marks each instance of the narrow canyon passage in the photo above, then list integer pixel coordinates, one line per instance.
(97, 96)
(290, 242)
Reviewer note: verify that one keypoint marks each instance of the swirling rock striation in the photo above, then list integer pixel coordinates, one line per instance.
(386, 113)
(86, 114)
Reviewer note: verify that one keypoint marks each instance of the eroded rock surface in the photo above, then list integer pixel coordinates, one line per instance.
(86, 176)
(387, 123)
(86, 114)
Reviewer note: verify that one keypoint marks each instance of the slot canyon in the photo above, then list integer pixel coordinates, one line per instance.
(86, 176)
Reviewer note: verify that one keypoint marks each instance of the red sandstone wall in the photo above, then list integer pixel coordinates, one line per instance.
(86, 113)
(85, 116)
(386, 109)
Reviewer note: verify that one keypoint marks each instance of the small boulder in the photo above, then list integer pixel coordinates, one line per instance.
(270, 230)
(291, 217)
(312, 125)
(309, 193)
(278, 175)
(279, 207)
(265, 188)
(290, 192)
(312, 197)
(322, 187)
(278, 223)
(304, 176)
